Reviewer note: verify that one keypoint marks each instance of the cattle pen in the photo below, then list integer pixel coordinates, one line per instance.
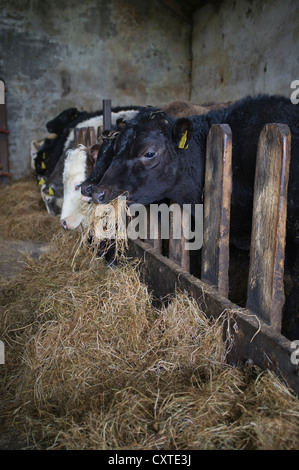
(253, 331)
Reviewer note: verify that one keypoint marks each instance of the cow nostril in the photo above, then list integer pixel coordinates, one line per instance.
(101, 196)
(88, 190)
(64, 224)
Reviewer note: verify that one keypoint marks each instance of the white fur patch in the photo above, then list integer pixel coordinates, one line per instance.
(73, 207)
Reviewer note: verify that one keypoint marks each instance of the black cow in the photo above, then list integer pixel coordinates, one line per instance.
(151, 162)
(60, 122)
(51, 150)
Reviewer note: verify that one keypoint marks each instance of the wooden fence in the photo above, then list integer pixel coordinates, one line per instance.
(252, 332)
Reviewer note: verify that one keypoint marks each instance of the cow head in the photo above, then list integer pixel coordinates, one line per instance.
(147, 156)
(102, 163)
(52, 195)
(60, 122)
(78, 164)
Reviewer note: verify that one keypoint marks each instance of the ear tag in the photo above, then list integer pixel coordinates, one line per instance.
(41, 181)
(182, 144)
(51, 192)
(44, 155)
(43, 166)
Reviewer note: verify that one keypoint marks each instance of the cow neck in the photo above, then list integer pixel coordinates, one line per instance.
(188, 188)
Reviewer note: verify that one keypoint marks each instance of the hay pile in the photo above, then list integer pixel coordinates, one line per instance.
(23, 213)
(91, 364)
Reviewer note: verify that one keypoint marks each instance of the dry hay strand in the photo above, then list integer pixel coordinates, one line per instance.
(91, 364)
(271, 416)
(23, 213)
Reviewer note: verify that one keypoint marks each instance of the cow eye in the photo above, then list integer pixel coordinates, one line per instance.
(149, 155)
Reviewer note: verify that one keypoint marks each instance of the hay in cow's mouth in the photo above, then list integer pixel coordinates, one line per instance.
(106, 227)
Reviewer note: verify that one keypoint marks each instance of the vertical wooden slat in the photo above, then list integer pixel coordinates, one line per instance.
(91, 136)
(4, 167)
(99, 132)
(76, 136)
(217, 199)
(177, 252)
(265, 294)
(107, 115)
(83, 136)
(154, 232)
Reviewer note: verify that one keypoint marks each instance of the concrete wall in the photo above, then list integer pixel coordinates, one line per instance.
(244, 47)
(57, 54)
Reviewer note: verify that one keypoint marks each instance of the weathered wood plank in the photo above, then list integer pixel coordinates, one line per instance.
(76, 136)
(4, 166)
(177, 251)
(153, 231)
(83, 136)
(265, 294)
(217, 198)
(91, 136)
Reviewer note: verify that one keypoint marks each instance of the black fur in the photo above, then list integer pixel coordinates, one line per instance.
(60, 122)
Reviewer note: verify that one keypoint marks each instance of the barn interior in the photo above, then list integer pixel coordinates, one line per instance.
(55, 56)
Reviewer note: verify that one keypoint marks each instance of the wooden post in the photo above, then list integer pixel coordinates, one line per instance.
(265, 294)
(217, 199)
(107, 115)
(4, 168)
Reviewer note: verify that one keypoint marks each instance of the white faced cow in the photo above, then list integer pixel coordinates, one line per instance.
(77, 166)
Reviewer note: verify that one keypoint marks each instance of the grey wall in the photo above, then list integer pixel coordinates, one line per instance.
(244, 47)
(57, 54)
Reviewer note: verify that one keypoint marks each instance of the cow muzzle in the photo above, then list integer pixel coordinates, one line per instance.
(64, 224)
(103, 195)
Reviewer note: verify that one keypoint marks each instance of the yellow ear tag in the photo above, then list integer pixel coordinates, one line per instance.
(51, 192)
(41, 181)
(182, 144)
(44, 155)
(43, 166)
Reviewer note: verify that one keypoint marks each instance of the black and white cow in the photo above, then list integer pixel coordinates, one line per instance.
(64, 119)
(52, 188)
(77, 166)
(150, 163)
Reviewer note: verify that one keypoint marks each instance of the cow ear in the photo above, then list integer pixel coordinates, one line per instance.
(182, 132)
(92, 156)
(121, 124)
